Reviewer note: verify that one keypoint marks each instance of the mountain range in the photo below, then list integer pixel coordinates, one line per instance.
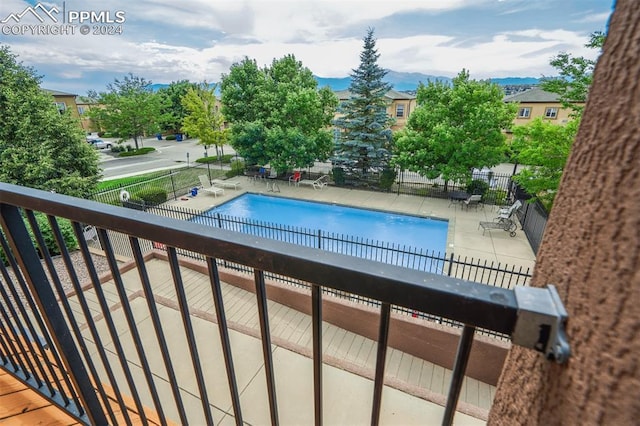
(403, 81)
(409, 81)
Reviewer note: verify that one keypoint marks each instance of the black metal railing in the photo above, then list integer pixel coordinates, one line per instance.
(98, 347)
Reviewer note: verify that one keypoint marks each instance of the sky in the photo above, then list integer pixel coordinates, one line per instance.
(198, 40)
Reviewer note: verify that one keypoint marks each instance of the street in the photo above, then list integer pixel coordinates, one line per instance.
(168, 154)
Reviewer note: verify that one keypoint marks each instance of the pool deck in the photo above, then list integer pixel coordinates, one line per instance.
(465, 239)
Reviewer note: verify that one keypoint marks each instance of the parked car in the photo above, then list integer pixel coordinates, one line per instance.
(100, 144)
(92, 136)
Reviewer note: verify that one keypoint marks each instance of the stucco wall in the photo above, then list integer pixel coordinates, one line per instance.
(591, 252)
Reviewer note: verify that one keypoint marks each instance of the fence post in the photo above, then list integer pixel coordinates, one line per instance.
(219, 220)
(450, 264)
(319, 238)
(173, 185)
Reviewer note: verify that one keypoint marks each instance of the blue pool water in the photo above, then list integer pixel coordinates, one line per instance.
(428, 235)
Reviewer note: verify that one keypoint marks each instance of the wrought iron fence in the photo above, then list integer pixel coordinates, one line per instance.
(176, 183)
(482, 271)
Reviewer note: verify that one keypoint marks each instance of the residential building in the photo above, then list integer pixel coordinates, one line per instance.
(536, 102)
(64, 101)
(87, 123)
(78, 109)
(399, 105)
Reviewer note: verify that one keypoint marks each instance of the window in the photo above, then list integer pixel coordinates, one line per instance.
(80, 110)
(524, 112)
(400, 110)
(62, 107)
(551, 112)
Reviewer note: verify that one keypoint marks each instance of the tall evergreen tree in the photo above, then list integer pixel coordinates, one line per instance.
(365, 134)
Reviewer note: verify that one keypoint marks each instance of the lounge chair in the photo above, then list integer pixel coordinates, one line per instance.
(206, 186)
(317, 184)
(225, 183)
(504, 220)
(506, 212)
(295, 178)
(472, 201)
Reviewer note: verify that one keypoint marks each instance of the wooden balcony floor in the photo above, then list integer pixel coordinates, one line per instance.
(19, 405)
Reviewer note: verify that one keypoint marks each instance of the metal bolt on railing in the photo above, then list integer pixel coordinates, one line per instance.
(541, 322)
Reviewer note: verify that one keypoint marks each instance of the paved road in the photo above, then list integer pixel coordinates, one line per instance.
(169, 154)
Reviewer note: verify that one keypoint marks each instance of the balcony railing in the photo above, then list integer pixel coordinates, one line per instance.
(69, 348)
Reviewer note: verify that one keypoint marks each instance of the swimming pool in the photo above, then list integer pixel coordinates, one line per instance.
(421, 234)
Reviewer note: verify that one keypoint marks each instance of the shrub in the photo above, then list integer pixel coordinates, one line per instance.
(170, 137)
(117, 148)
(225, 159)
(495, 196)
(387, 178)
(237, 168)
(205, 160)
(338, 176)
(477, 187)
(151, 196)
(141, 151)
(134, 202)
(66, 230)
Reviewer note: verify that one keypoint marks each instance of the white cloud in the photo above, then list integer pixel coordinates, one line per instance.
(593, 17)
(167, 41)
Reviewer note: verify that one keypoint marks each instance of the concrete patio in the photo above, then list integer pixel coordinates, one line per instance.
(414, 392)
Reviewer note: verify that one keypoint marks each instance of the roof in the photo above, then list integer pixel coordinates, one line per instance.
(392, 94)
(533, 95)
(58, 93)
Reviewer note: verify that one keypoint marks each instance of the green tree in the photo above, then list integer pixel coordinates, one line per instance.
(454, 129)
(240, 91)
(40, 147)
(544, 147)
(576, 75)
(131, 109)
(277, 113)
(203, 120)
(365, 134)
(173, 109)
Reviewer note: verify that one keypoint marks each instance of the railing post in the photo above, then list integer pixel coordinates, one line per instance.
(173, 185)
(319, 238)
(457, 375)
(33, 271)
(450, 265)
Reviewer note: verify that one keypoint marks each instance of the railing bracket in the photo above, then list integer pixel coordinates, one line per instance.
(541, 322)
